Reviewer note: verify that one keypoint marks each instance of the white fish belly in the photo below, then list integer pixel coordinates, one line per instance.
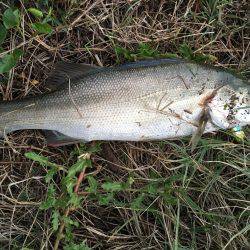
(138, 121)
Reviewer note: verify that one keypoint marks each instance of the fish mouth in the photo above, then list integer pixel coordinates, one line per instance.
(227, 116)
(241, 109)
(242, 115)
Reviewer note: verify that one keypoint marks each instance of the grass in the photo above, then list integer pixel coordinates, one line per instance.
(151, 195)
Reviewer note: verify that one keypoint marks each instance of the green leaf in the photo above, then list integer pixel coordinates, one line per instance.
(73, 246)
(69, 237)
(3, 33)
(50, 174)
(169, 55)
(50, 201)
(70, 180)
(55, 220)
(168, 182)
(92, 184)
(152, 188)
(11, 18)
(190, 202)
(169, 199)
(38, 158)
(35, 12)
(9, 61)
(77, 167)
(43, 161)
(75, 200)
(69, 221)
(129, 182)
(69, 224)
(105, 199)
(42, 28)
(95, 148)
(125, 53)
(137, 203)
(201, 58)
(146, 51)
(62, 202)
(69, 183)
(112, 186)
(186, 51)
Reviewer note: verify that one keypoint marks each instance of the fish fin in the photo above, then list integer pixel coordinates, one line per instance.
(200, 130)
(57, 139)
(150, 63)
(63, 71)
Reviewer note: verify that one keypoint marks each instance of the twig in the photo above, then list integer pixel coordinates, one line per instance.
(74, 103)
(60, 232)
(79, 181)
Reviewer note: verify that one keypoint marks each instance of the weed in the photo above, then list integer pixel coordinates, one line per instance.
(61, 205)
(144, 51)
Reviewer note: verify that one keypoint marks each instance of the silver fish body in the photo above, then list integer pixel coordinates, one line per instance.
(144, 101)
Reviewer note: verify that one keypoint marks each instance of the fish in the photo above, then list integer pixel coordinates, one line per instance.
(139, 101)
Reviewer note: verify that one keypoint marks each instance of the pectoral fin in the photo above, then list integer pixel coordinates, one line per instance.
(57, 139)
(200, 130)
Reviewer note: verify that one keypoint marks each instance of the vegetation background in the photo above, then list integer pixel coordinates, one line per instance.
(121, 195)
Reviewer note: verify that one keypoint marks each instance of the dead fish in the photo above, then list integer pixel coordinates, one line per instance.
(147, 100)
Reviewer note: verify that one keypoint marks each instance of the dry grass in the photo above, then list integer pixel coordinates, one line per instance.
(206, 206)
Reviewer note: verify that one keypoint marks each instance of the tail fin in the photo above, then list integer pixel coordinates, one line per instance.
(1, 120)
(1, 129)
(4, 109)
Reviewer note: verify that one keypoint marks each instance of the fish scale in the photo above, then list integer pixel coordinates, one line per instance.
(148, 100)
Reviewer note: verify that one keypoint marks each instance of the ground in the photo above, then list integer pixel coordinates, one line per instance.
(151, 195)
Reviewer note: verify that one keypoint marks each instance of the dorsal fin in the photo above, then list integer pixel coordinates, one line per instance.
(63, 71)
(150, 63)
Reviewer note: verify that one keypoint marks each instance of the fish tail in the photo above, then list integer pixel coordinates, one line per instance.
(1, 132)
(3, 111)
(1, 122)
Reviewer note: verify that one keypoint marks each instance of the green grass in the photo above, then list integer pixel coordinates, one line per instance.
(151, 195)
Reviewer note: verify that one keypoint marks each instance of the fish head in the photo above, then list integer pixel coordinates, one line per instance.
(230, 107)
